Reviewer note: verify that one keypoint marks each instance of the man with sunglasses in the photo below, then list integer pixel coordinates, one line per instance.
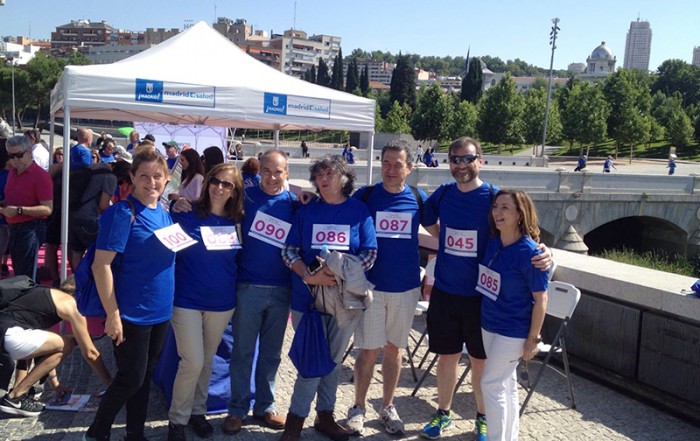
(454, 315)
(28, 202)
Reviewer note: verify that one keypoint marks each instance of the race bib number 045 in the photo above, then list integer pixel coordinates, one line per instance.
(174, 238)
(489, 282)
(393, 225)
(460, 242)
(220, 238)
(334, 237)
(269, 229)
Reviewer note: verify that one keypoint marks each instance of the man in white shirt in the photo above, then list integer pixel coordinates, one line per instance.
(39, 153)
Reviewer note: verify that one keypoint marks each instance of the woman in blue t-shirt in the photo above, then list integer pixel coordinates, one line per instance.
(513, 306)
(134, 274)
(205, 294)
(333, 222)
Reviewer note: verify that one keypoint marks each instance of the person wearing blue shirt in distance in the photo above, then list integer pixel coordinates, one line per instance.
(387, 321)
(513, 306)
(137, 297)
(106, 151)
(264, 295)
(205, 294)
(671, 164)
(341, 223)
(80, 155)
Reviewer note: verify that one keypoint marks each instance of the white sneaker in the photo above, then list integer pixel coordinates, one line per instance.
(391, 420)
(356, 419)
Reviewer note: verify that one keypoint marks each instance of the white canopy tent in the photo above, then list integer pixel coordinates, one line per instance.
(199, 77)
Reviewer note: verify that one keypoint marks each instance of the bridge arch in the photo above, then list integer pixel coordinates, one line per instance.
(641, 233)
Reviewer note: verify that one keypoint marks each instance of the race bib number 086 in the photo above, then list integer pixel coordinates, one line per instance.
(460, 242)
(393, 225)
(489, 282)
(334, 237)
(269, 229)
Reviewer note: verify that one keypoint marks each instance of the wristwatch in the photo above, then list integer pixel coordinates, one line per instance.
(19, 210)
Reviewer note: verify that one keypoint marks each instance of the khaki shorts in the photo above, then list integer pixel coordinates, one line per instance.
(387, 320)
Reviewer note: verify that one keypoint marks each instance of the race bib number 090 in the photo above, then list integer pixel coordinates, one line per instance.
(174, 238)
(393, 225)
(334, 237)
(489, 282)
(269, 229)
(460, 242)
(220, 238)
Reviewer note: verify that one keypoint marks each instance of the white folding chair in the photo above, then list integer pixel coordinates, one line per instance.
(562, 299)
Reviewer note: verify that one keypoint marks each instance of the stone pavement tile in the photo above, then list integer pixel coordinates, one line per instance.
(601, 413)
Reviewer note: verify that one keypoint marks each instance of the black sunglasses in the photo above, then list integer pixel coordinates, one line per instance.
(216, 182)
(16, 155)
(467, 159)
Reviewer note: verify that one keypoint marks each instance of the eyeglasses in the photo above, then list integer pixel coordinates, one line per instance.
(227, 185)
(17, 155)
(467, 159)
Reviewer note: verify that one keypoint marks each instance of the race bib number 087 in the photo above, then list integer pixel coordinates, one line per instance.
(460, 242)
(393, 225)
(334, 237)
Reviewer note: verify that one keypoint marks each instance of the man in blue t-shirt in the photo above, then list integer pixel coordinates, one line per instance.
(386, 323)
(454, 314)
(80, 155)
(264, 295)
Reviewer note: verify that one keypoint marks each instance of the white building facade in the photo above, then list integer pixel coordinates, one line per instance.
(638, 46)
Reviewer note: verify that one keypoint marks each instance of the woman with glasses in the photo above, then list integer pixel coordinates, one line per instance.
(333, 222)
(205, 294)
(513, 306)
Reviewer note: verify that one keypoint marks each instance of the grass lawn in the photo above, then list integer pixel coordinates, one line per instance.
(657, 149)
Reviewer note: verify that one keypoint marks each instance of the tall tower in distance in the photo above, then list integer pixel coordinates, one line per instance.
(696, 56)
(638, 46)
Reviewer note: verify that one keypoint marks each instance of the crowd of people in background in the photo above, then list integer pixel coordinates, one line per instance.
(260, 252)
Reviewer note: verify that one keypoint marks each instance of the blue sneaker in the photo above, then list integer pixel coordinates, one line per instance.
(441, 421)
(480, 429)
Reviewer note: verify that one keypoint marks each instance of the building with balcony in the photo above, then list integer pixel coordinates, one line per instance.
(80, 34)
(158, 35)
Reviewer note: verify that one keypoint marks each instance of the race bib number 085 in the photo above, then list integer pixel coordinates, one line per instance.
(489, 282)
(220, 238)
(269, 229)
(393, 225)
(460, 242)
(334, 237)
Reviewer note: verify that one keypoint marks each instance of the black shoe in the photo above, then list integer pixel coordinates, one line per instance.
(176, 432)
(201, 426)
(22, 406)
(35, 391)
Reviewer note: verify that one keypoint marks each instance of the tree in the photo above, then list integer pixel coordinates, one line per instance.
(533, 117)
(680, 128)
(310, 74)
(472, 82)
(364, 81)
(403, 82)
(494, 64)
(337, 80)
(629, 98)
(432, 118)
(23, 95)
(697, 128)
(396, 120)
(663, 106)
(378, 120)
(77, 58)
(464, 117)
(585, 114)
(679, 76)
(500, 114)
(322, 77)
(352, 82)
(44, 72)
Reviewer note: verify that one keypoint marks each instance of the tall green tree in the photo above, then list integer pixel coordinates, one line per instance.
(337, 79)
(533, 117)
(77, 58)
(472, 82)
(352, 82)
(432, 118)
(396, 120)
(679, 76)
(44, 72)
(23, 95)
(464, 117)
(680, 128)
(629, 97)
(323, 78)
(364, 81)
(500, 114)
(584, 117)
(378, 120)
(403, 82)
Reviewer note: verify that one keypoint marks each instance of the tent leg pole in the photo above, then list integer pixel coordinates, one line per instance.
(65, 196)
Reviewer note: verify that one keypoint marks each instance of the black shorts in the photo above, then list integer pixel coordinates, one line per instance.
(53, 228)
(81, 235)
(454, 321)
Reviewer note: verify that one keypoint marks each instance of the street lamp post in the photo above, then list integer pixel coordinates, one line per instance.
(553, 43)
(14, 114)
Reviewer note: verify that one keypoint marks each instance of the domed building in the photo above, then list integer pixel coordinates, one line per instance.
(601, 63)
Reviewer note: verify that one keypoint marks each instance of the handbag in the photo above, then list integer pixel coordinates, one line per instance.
(86, 296)
(310, 351)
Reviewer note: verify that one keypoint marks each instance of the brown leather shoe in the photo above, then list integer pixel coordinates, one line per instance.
(292, 428)
(273, 420)
(326, 424)
(233, 424)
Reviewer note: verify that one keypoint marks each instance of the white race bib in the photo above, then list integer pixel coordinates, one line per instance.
(460, 242)
(269, 229)
(489, 282)
(220, 238)
(174, 238)
(393, 225)
(334, 237)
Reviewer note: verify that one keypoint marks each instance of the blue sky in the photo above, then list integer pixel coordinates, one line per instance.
(508, 29)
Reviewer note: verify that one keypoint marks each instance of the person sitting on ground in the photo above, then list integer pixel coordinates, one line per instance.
(23, 325)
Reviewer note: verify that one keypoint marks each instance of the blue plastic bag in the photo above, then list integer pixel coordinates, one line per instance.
(310, 352)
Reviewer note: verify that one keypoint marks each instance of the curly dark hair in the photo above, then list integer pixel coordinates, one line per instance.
(338, 164)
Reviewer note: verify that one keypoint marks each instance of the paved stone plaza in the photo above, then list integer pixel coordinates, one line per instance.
(601, 414)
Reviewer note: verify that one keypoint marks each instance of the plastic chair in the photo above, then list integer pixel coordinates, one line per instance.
(562, 299)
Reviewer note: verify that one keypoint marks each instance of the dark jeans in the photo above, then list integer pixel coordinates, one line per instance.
(25, 240)
(136, 358)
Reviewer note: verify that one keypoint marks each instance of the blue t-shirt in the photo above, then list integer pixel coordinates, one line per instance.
(459, 253)
(351, 213)
(397, 268)
(107, 158)
(3, 181)
(144, 274)
(171, 162)
(80, 157)
(205, 280)
(250, 180)
(510, 314)
(260, 262)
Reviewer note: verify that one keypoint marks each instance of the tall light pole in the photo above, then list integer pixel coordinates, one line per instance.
(14, 114)
(553, 43)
